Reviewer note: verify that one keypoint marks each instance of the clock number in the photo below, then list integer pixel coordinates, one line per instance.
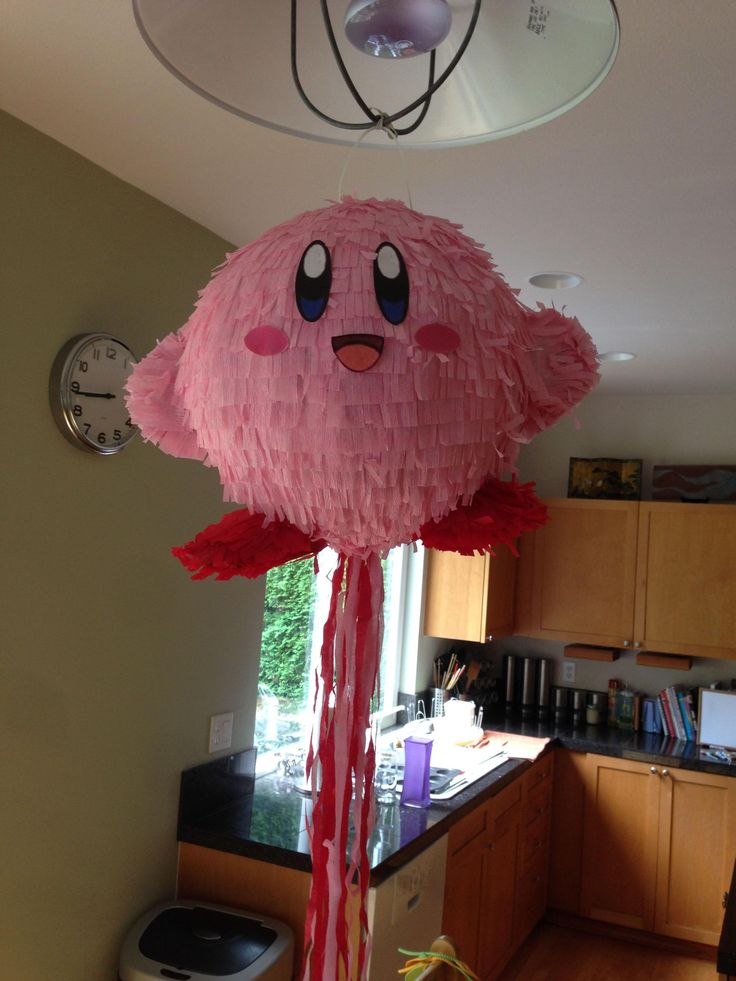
(87, 427)
(83, 366)
(101, 438)
(75, 387)
(116, 435)
(128, 423)
(96, 354)
(112, 353)
(77, 410)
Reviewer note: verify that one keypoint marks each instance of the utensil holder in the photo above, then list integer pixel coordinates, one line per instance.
(437, 699)
(417, 754)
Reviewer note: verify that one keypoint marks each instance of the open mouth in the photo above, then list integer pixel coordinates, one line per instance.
(357, 352)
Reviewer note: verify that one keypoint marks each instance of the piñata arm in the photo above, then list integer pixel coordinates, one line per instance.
(243, 543)
(499, 512)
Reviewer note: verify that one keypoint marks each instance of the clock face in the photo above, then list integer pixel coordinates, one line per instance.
(87, 392)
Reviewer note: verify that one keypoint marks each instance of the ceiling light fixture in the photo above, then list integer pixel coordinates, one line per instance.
(616, 356)
(513, 65)
(397, 28)
(555, 280)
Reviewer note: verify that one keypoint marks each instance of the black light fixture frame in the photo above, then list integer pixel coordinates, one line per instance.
(376, 119)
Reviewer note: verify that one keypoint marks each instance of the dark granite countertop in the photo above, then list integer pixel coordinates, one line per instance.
(225, 807)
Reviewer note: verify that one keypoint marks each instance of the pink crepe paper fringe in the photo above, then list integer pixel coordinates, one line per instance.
(360, 460)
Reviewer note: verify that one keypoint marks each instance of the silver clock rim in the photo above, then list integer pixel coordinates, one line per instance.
(61, 403)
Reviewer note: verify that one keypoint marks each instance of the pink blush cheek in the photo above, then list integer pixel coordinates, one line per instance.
(437, 338)
(266, 341)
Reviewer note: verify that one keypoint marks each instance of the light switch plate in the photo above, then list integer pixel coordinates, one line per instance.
(568, 671)
(221, 732)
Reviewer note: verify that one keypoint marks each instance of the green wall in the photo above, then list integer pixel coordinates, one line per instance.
(111, 659)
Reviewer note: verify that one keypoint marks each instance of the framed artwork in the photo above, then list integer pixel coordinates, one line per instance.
(694, 483)
(604, 477)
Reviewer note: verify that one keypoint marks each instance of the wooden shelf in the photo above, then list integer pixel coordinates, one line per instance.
(670, 662)
(588, 653)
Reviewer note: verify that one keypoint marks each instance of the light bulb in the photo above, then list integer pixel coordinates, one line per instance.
(397, 28)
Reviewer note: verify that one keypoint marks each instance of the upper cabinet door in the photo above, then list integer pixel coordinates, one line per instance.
(686, 579)
(469, 597)
(579, 570)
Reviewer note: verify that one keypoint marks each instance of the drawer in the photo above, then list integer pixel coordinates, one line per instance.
(537, 802)
(506, 808)
(471, 829)
(531, 897)
(534, 841)
(541, 772)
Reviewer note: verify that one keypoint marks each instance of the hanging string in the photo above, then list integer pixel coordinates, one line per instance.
(381, 126)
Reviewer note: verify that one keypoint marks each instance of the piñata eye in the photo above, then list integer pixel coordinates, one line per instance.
(391, 283)
(313, 281)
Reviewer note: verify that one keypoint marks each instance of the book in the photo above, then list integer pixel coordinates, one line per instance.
(677, 722)
(669, 726)
(681, 699)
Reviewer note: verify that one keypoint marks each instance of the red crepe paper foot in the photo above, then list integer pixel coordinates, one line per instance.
(243, 544)
(499, 512)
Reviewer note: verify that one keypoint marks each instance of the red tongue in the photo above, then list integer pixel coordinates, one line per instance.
(357, 352)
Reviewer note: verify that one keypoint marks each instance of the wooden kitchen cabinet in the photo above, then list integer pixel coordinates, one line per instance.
(530, 900)
(496, 879)
(466, 844)
(619, 862)
(650, 575)
(658, 847)
(480, 882)
(686, 578)
(566, 831)
(581, 573)
(469, 597)
(696, 850)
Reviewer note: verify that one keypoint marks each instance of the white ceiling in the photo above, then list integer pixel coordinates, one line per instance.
(635, 189)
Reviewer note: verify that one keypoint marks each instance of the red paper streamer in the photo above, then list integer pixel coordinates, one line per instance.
(342, 770)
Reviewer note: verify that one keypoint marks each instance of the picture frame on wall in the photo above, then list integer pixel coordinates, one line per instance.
(604, 478)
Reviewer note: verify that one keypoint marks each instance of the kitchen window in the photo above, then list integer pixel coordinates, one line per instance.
(296, 606)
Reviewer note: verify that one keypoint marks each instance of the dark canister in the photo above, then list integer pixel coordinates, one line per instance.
(578, 707)
(528, 686)
(509, 680)
(543, 673)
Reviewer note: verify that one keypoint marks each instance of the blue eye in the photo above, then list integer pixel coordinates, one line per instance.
(391, 283)
(313, 281)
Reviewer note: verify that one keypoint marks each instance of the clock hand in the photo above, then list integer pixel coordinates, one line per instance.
(97, 395)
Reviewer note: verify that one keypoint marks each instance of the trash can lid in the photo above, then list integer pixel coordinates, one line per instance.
(205, 941)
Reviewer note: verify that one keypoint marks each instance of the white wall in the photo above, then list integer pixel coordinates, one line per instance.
(112, 660)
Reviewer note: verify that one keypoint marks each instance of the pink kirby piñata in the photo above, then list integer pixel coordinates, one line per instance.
(361, 377)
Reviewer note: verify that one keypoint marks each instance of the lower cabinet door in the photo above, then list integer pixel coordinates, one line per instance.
(619, 867)
(697, 844)
(463, 897)
(496, 910)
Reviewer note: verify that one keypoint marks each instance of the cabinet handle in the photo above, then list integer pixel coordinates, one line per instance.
(627, 643)
(653, 769)
(665, 773)
(637, 643)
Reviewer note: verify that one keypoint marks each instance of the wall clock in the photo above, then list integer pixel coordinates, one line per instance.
(86, 392)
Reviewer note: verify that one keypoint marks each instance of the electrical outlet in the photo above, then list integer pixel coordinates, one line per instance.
(221, 732)
(568, 671)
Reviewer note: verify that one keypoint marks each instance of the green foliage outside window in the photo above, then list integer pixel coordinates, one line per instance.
(286, 630)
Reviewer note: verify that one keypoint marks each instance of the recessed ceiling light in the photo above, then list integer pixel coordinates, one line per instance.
(616, 356)
(555, 280)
